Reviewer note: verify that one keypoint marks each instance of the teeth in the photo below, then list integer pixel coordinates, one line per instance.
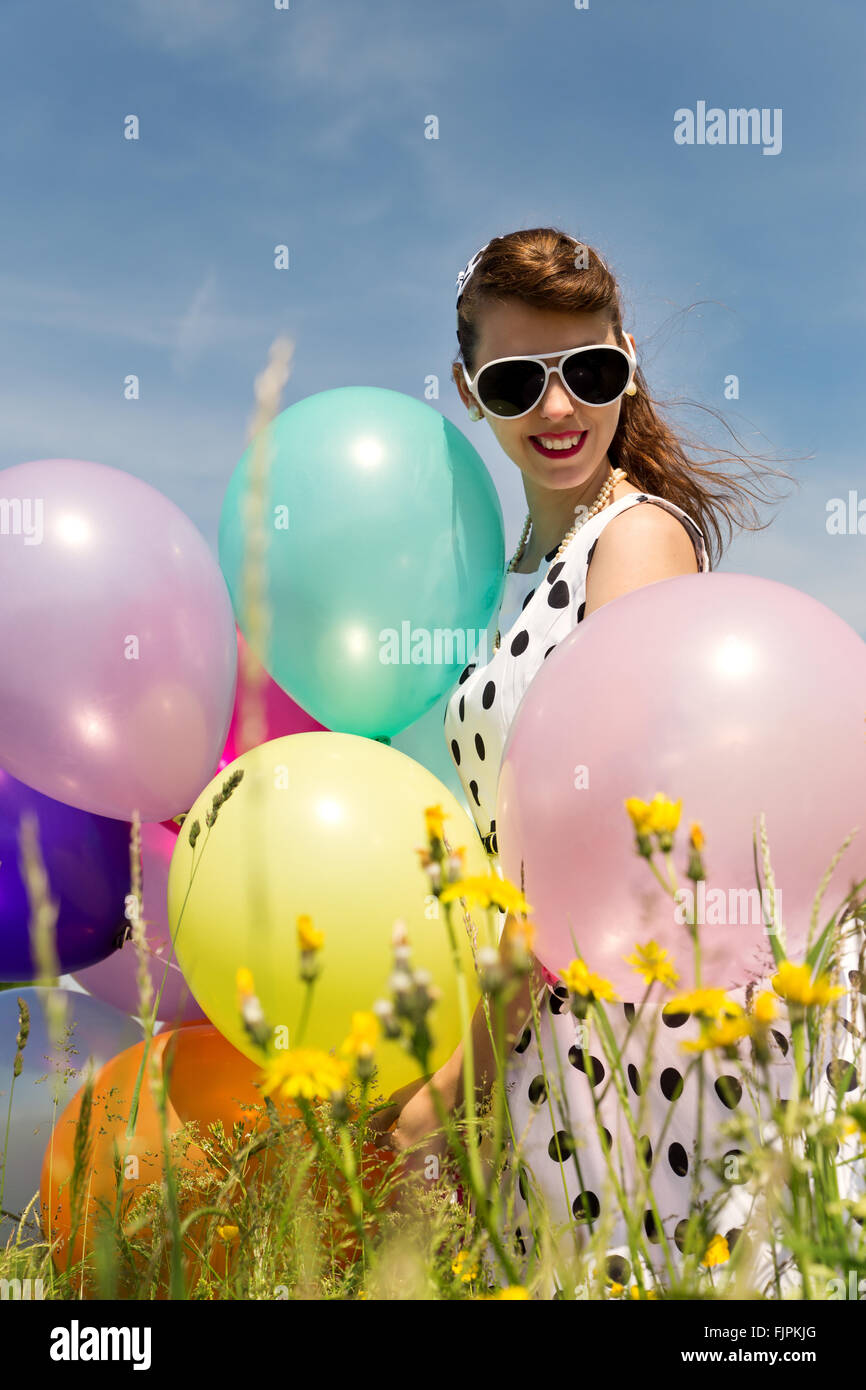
(566, 442)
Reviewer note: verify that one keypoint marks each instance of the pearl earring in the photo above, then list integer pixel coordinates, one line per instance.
(474, 412)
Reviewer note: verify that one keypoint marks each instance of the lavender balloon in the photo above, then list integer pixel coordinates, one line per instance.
(86, 859)
(117, 642)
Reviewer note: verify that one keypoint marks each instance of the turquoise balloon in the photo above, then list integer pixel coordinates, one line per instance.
(383, 561)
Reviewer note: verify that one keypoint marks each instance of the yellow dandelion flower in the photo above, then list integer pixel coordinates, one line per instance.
(765, 1008)
(724, 1032)
(697, 839)
(363, 1036)
(579, 980)
(707, 1003)
(664, 815)
(653, 963)
(487, 890)
(434, 817)
(465, 1266)
(309, 939)
(307, 1073)
(717, 1253)
(857, 1112)
(245, 985)
(639, 813)
(795, 983)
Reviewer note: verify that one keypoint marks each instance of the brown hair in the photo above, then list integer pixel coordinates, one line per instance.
(539, 267)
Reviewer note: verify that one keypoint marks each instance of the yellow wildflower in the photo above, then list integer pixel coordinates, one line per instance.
(227, 1233)
(635, 1292)
(309, 939)
(363, 1035)
(707, 1003)
(579, 980)
(487, 890)
(306, 1072)
(653, 962)
(696, 836)
(512, 1291)
(465, 1266)
(616, 1290)
(640, 814)
(724, 1032)
(434, 817)
(245, 984)
(765, 1008)
(795, 983)
(664, 815)
(857, 1112)
(717, 1253)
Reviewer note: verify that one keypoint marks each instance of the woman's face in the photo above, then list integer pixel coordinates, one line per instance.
(512, 328)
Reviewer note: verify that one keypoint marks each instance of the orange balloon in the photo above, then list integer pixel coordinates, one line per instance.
(207, 1080)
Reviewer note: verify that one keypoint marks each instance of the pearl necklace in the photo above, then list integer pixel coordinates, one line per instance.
(601, 501)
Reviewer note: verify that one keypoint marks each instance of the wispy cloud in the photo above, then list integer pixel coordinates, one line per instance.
(198, 326)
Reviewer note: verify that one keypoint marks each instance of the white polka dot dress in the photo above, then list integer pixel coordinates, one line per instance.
(561, 1133)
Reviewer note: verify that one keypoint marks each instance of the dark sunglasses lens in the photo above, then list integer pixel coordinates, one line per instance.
(510, 388)
(597, 377)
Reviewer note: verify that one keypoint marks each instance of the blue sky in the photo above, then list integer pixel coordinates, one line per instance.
(306, 126)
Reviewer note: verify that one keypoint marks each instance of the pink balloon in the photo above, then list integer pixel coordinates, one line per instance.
(113, 980)
(117, 640)
(736, 694)
(282, 715)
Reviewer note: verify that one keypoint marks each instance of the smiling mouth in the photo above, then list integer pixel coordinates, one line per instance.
(553, 446)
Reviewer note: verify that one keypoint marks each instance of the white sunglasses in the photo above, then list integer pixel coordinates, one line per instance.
(510, 387)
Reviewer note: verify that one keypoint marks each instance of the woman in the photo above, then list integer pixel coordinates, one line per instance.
(614, 503)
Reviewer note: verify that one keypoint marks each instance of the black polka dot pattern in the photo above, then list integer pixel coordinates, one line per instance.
(537, 611)
(842, 1075)
(586, 1206)
(671, 1083)
(729, 1091)
(678, 1160)
(593, 1066)
(576, 1125)
(561, 1146)
(537, 1090)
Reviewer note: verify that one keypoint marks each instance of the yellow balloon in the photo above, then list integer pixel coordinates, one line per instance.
(323, 824)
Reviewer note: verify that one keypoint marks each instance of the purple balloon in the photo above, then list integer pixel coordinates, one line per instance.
(117, 642)
(86, 860)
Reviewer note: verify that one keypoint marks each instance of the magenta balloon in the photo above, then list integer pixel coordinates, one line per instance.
(282, 715)
(117, 641)
(113, 980)
(736, 694)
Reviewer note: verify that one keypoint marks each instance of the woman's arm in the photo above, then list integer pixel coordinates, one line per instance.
(644, 544)
(413, 1107)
